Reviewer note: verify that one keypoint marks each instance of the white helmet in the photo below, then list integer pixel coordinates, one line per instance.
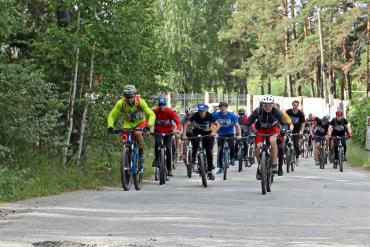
(268, 99)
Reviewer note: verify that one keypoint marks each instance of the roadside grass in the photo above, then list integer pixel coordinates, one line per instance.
(357, 155)
(42, 175)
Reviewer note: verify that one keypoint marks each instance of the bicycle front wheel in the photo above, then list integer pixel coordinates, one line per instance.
(189, 165)
(340, 159)
(241, 157)
(263, 171)
(226, 159)
(162, 166)
(125, 169)
(288, 159)
(269, 179)
(202, 169)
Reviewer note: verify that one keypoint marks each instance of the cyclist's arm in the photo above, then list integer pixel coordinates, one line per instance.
(280, 117)
(303, 121)
(252, 118)
(176, 119)
(150, 114)
(330, 130)
(215, 126)
(185, 129)
(114, 113)
(287, 120)
(238, 129)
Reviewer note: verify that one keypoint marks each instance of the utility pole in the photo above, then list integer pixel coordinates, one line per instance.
(367, 51)
(325, 84)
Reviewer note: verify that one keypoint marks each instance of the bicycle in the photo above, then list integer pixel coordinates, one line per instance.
(161, 171)
(251, 151)
(188, 159)
(242, 155)
(306, 146)
(338, 143)
(265, 164)
(225, 154)
(290, 155)
(323, 154)
(202, 160)
(130, 167)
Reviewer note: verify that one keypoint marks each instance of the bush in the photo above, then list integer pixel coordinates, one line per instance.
(358, 112)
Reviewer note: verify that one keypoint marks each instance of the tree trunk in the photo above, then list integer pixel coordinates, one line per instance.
(269, 86)
(342, 86)
(262, 88)
(333, 86)
(299, 90)
(74, 85)
(284, 5)
(318, 81)
(84, 115)
(349, 85)
(312, 87)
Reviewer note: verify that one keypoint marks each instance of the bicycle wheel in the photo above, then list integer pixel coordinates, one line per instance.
(202, 170)
(340, 158)
(322, 158)
(174, 156)
(288, 159)
(293, 161)
(263, 171)
(241, 156)
(189, 166)
(225, 161)
(125, 169)
(269, 179)
(305, 149)
(251, 155)
(156, 173)
(162, 166)
(138, 178)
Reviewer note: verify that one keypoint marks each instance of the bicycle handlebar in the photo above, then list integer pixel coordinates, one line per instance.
(121, 131)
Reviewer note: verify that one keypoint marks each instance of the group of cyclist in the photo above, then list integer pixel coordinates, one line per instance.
(267, 119)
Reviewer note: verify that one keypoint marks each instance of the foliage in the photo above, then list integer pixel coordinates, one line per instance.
(357, 155)
(359, 111)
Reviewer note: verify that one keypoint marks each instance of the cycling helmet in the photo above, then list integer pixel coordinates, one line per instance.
(268, 99)
(162, 101)
(241, 111)
(129, 91)
(188, 111)
(223, 103)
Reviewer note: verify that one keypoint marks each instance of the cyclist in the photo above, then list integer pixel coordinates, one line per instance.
(163, 124)
(298, 120)
(281, 139)
(245, 130)
(204, 124)
(267, 119)
(308, 128)
(339, 127)
(227, 121)
(320, 130)
(136, 115)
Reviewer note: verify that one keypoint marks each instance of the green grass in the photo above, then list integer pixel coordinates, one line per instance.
(36, 174)
(357, 155)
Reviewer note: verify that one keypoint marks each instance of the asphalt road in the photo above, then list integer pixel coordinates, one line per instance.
(310, 207)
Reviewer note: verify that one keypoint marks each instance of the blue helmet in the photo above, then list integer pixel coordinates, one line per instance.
(162, 101)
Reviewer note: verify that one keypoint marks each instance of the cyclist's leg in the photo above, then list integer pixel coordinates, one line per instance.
(316, 150)
(208, 146)
(168, 142)
(296, 145)
(344, 143)
(157, 139)
(231, 144)
(220, 144)
(273, 149)
(280, 146)
(195, 144)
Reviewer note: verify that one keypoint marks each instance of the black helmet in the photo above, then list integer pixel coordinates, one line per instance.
(188, 111)
(129, 91)
(223, 103)
(241, 111)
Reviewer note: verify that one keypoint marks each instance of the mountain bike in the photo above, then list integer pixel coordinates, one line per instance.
(323, 153)
(306, 146)
(161, 172)
(130, 166)
(225, 162)
(290, 156)
(265, 164)
(188, 159)
(338, 144)
(243, 152)
(202, 159)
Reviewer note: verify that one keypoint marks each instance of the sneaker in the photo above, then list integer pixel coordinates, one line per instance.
(219, 170)
(280, 170)
(210, 176)
(258, 175)
(274, 169)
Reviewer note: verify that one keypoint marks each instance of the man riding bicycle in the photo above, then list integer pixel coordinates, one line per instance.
(320, 131)
(267, 119)
(298, 120)
(245, 130)
(163, 124)
(204, 124)
(227, 122)
(136, 115)
(339, 127)
(188, 113)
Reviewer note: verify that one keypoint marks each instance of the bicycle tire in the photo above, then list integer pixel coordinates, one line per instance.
(251, 155)
(269, 175)
(174, 157)
(288, 159)
(241, 156)
(156, 173)
(305, 149)
(263, 171)
(125, 173)
(189, 167)
(202, 171)
(293, 161)
(340, 159)
(322, 158)
(225, 161)
(162, 166)
(138, 180)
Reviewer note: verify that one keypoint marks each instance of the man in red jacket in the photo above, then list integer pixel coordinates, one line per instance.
(163, 124)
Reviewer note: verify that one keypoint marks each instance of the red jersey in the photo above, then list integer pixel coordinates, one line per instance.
(164, 120)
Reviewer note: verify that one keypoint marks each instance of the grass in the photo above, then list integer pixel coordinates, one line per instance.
(37, 174)
(357, 155)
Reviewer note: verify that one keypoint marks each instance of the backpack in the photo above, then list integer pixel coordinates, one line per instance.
(137, 99)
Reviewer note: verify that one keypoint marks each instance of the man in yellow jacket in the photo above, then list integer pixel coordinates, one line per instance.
(136, 115)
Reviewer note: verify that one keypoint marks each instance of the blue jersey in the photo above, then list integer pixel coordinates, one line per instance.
(227, 122)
